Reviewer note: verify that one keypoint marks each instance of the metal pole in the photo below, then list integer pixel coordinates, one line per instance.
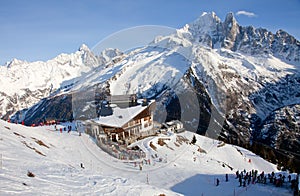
(147, 179)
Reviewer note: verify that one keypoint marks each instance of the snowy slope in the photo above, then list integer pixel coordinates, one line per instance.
(57, 171)
(54, 158)
(138, 71)
(149, 67)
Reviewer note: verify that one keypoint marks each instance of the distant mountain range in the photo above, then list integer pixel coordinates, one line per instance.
(239, 84)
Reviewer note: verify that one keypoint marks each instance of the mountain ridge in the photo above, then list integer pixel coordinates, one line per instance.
(24, 84)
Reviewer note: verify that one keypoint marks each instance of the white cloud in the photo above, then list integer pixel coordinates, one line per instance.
(249, 14)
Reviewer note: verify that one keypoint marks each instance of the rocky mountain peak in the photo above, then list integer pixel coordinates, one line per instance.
(210, 16)
(230, 24)
(209, 30)
(206, 22)
(88, 56)
(14, 62)
(205, 28)
(230, 19)
(231, 31)
(84, 47)
(286, 38)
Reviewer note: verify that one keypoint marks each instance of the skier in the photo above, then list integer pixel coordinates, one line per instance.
(226, 177)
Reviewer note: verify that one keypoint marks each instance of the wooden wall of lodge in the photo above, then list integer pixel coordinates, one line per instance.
(146, 114)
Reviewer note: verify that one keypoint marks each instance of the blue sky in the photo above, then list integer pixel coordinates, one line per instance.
(39, 30)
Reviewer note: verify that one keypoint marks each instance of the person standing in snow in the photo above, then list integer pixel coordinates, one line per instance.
(226, 177)
(283, 178)
(240, 179)
(244, 181)
(218, 181)
(249, 179)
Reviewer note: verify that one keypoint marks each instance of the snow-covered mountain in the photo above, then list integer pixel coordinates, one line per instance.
(209, 29)
(221, 79)
(42, 161)
(23, 84)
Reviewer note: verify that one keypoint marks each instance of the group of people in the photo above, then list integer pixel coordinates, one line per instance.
(250, 177)
(253, 177)
(69, 127)
(44, 123)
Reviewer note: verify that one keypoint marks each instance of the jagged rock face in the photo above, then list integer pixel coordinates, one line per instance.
(58, 108)
(108, 55)
(277, 95)
(209, 29)
(281, 129)
(231, 32)
(13, 103)
(88, 58)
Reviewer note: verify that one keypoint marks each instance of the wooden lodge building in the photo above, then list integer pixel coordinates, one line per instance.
(122, 119)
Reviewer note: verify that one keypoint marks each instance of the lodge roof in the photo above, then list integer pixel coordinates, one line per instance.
(121, 116)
